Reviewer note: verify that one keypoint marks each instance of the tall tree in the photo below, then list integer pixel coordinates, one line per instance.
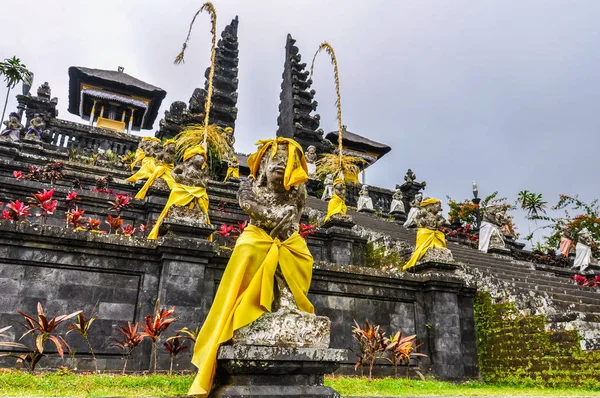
(14, 72)
(534, 205)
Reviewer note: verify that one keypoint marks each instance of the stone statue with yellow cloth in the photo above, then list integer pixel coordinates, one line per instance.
(233, 168)
(148, 148)
(337, 203)
(431, 242)
(188, 199)
(161, 177)
(262, 297)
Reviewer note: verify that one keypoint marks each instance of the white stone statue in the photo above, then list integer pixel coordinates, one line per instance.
(328, 192)
(490, 232)
(311, 158)
(414, 210)
(583, 250)
(397, 205)
(365, 203)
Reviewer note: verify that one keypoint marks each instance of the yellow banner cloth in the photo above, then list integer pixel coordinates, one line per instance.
(233, 172)
(336, 206)
(429, 201)
(296, 169)
(182, 195)
(139, 156)
(426, 239)
(163, 171)
(145, 172)
(246, 292)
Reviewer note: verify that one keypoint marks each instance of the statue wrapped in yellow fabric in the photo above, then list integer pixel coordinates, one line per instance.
(337, 203)
(270, 268)
(189, 190)
(233, 169)
(430, 239)
(162, 172)
(148, 148)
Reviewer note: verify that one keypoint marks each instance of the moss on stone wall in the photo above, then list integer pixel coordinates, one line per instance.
(517, 349)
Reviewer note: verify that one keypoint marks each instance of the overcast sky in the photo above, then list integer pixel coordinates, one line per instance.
(502, 92)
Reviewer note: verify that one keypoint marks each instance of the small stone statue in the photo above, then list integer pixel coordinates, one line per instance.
(145, 153)
(364, 203)
(13, 127)
(233, 169)
(337, 203)
(431, 242)
(566, 243)
(262, 296)
(490, 232)
(311, 158)
(583, 250)
(161, 177)
(328, 187)
(36, 128)
(414, 210)
(397, 206)
(188, 199)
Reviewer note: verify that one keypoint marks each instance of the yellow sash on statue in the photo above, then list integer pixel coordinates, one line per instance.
(145, 172)
(246, 292)
(233, 172)
(182, 195)
(336, 206)
(139, 156)
(426, 239)
(163, 171)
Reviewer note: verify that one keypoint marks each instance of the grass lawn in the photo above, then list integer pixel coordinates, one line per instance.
(15, 383)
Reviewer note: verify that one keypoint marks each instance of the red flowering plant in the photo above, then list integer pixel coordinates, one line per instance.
(71, 199)
(115, 223)
(122, 201)
(75, 218)
(128, 230)
(465, 211)
(584, 281)
(18, 174)
(230, 233)
(464, 232)
(15, 211)
(306, 229)
(93, 225)
(44, 202)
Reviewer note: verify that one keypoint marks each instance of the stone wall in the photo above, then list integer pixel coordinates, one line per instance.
(518, 349)
(68, 270)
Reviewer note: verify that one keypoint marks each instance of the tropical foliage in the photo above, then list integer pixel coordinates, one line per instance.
(14, 72)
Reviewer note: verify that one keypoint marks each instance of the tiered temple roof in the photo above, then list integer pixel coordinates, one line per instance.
(297, 103)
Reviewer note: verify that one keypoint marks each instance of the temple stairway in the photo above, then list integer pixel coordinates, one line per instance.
(547, 291)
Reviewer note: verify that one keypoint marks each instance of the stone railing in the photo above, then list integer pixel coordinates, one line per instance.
(382, 198)
(70, 135)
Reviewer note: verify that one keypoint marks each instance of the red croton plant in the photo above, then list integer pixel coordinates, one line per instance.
(156, 324)
(584, 281)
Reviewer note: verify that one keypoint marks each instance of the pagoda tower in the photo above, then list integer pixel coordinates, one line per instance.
(297, 103)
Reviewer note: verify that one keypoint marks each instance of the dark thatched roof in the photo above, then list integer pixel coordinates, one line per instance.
(357, 142)
(118, 82)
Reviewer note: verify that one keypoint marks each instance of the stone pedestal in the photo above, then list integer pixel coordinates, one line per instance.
(344, 246)
(253, 371)
(436, 259)
(188, 223)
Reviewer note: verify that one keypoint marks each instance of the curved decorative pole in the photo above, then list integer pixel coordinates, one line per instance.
(210, 8)
(329, 49)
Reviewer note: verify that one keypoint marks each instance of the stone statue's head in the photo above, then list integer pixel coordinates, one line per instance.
(339, 188)
(329, 179)
(272, 168)
(14, 116)
(168, 151)
(419, 197)
(311, 149)
(364, 189)
(196, 156)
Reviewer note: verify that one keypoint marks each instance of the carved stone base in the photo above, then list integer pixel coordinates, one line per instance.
(251, 371)
(286, 328)
(398, 216)
(437, 255)
(429, 266)
(188, 223)
(339, 220)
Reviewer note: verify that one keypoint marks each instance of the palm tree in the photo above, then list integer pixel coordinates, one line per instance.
(14, 72)
(534, 205)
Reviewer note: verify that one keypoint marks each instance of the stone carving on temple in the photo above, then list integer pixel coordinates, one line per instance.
(414, 210)
(328, 191)
(36, 130)
(44, 91)
(13, 128)
(397, 205)
(583, 250)
(364, 203)
(311, 159)
(431, 242)
(410, 188)
(491, 233)
(161, 177)
(337, 204)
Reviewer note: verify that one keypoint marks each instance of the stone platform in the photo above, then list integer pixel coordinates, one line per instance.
(255, 371)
